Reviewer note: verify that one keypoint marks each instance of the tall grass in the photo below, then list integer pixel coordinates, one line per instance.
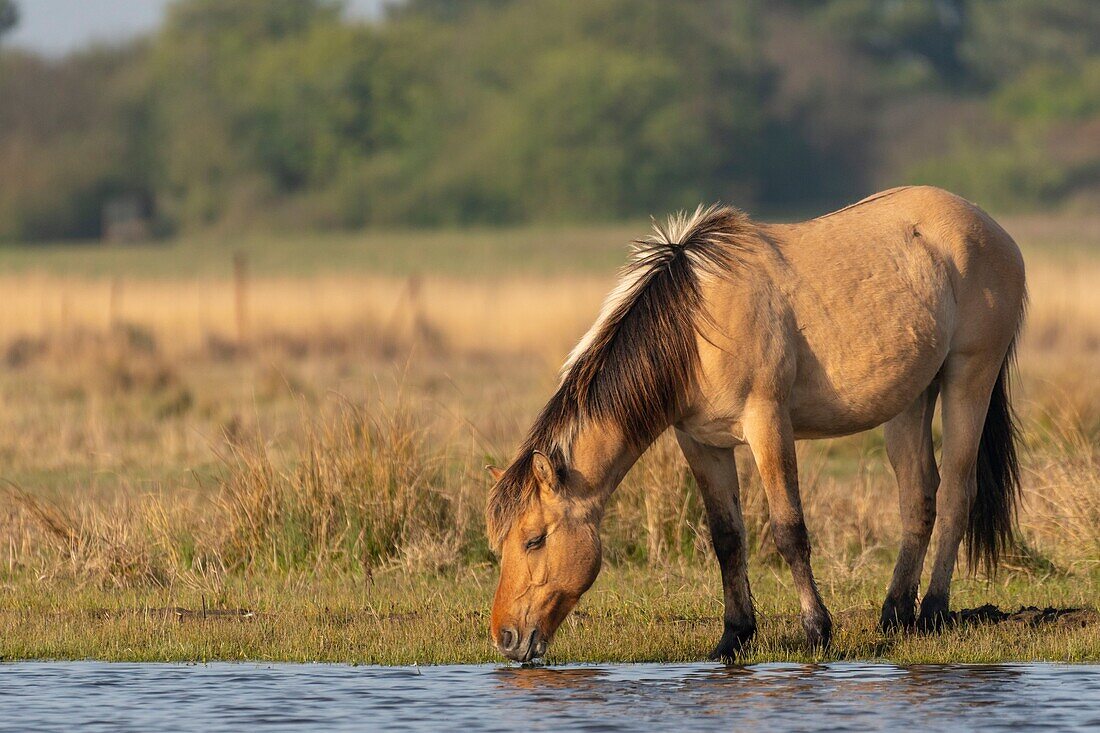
(369, 489)
(361, 487)
(362, 490)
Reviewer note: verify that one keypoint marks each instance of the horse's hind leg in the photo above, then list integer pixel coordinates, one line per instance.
(770, 436)
(909, 446)
(715, 470)
(967, 381)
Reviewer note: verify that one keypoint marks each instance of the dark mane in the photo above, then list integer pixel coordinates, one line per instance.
(639, 362)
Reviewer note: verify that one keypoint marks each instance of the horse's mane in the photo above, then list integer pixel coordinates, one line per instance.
(639, 362)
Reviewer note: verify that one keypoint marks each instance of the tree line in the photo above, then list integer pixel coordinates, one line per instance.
(276, 113)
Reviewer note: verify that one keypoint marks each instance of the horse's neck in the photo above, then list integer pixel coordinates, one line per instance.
(602, 457)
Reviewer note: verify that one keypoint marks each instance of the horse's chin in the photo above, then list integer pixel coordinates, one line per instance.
(538, 653)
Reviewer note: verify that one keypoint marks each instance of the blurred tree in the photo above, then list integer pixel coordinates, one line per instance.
(1008, 37)
(9, 15)
(1048, 92)
(923, 31)
(70, 140)
(446, 10)
(237, 23)
(203, 63)
(583, 110)
(275, 112)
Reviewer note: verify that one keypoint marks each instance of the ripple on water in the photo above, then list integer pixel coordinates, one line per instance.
(779, 697)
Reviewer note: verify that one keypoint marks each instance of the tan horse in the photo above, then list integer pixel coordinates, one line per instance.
(762, 334)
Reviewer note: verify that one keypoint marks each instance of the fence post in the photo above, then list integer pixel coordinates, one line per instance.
(114, 299)
(240, 295)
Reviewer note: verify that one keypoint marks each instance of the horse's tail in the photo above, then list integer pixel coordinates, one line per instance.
(993, 514)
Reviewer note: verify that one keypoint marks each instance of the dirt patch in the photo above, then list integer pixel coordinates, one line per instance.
(1070, 618)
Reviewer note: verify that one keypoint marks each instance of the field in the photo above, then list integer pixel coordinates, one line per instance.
(273, 448)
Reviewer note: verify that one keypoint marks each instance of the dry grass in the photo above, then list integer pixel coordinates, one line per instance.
(545, 316)
(159, 441)
(371, 488)
(200, 317)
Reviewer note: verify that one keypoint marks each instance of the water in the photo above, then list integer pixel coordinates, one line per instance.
(777, 697)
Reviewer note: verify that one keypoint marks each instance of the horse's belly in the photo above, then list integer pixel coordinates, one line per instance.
(869, 342)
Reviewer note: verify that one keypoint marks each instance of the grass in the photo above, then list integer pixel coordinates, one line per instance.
(633, 614)
(315, 458)
(541, 251)
(476, 253)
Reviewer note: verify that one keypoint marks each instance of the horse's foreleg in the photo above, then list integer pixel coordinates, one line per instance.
(909, 446)
(769, 435)
(966, 383)
(715, 470)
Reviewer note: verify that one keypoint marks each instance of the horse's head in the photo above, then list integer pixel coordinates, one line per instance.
(549, 556)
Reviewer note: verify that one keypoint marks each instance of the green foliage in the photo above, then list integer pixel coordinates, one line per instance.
(1008, 176)
(443, 9)
(235, 25)
(1049, 151)
(210, 68)
(1010, 37)
(70, 138)
(576, 118)
(921, 32)
(1050, 93)
(276, 113)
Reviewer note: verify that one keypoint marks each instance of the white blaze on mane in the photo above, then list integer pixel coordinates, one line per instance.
(675, 231)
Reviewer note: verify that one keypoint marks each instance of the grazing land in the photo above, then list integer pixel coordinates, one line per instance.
(273, 448)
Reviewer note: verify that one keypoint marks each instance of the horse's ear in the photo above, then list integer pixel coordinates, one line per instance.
(495, 472)
(544, 472)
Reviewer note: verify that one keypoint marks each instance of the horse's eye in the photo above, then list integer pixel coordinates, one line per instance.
(535, 543)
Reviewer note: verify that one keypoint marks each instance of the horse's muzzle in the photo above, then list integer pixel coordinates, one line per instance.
(521, 648)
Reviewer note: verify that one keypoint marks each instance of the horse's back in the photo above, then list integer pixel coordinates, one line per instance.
(876, 295)
(925, 232)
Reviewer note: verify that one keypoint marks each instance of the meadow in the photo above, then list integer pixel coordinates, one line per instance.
(272, 447)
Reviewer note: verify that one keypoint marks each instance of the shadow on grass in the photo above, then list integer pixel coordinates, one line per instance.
(1032, 616)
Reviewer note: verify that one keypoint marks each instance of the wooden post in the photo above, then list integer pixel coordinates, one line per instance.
(421, 331)
(64, 326)
(407, 301)
(114, 298)
(240, 295)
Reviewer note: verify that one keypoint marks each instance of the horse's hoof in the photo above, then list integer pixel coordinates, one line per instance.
(934, 615)
(898, 615)
(819, 629)
(735, 640)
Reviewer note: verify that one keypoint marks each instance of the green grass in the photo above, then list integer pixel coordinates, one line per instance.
(466, 253)
(477, 252)
(631, 615)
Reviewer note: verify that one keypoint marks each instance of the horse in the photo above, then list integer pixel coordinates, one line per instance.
(733, 333)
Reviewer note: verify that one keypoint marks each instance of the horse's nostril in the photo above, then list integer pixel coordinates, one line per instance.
(508, 638)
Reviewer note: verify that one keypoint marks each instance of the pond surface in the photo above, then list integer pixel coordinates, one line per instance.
(777, 697)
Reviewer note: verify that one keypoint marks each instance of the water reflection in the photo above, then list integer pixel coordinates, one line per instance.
(804, 696)
(550, 678)
(775, 697)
